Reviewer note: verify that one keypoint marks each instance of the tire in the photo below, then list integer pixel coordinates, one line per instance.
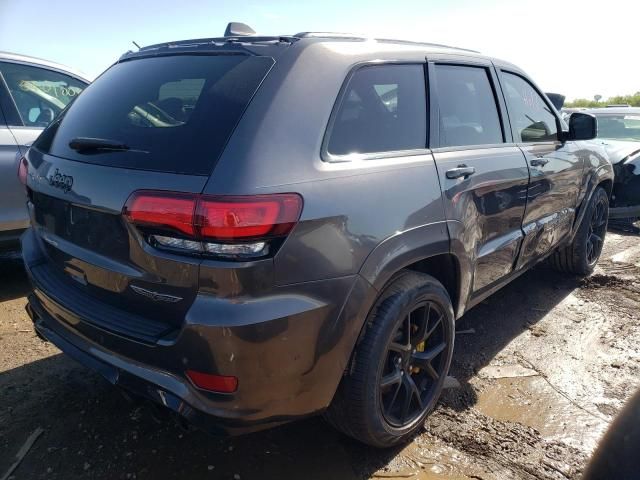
(371, 412)
(578, 258)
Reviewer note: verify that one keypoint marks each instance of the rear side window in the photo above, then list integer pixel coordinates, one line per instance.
(383, 109)
(531, 118)
(173, 113)
(467, 112)
(39, 94)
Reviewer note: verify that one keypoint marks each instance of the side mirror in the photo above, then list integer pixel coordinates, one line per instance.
(582, 126)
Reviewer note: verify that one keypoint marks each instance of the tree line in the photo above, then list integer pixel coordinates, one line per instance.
(633, 100)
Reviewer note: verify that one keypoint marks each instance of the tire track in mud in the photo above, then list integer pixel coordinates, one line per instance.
(499, 445)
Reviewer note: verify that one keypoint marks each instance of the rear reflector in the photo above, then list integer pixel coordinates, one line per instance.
(228, 226)
(213, 383)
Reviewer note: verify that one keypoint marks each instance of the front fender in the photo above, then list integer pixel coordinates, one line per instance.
(596, 176)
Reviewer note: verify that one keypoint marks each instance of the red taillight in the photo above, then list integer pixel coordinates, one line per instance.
(248, 217)
(23, 170)
(221, 225)
(174, 211)
(213, 383)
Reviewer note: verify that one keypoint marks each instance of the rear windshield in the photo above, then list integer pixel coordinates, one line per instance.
(173, 113)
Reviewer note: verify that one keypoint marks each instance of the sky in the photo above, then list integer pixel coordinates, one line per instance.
(577, 48)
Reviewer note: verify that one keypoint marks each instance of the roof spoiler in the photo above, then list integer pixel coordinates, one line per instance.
(237, 29)
(557, 100)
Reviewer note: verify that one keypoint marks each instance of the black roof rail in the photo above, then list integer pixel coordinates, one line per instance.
(351, 36)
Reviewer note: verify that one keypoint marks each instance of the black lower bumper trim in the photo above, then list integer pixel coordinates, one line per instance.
(133, 384)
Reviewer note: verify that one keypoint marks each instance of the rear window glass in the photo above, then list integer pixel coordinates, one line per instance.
(173, 113)
(382, 110)
(467, 112)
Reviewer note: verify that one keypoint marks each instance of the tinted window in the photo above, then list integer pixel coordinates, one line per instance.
(383, 109)
(467, 111)
(175, 113)
(39, 94)
(619, 127)
(531, 118)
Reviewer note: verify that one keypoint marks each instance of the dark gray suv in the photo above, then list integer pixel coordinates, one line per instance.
(251, 230)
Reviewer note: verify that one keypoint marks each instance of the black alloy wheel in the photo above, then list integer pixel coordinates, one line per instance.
(414, 364)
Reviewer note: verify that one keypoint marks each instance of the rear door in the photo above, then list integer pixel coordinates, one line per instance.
(483, 175)
(556, 168)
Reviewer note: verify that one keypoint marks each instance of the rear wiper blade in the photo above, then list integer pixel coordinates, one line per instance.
(85, 143)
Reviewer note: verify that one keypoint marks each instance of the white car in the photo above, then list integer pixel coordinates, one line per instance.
(33, 92)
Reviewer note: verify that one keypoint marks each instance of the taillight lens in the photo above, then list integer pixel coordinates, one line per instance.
(248, 217)
(23, 171)
(227, 226)
(173, 211)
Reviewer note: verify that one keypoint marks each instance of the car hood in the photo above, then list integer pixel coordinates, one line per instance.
(618, 150)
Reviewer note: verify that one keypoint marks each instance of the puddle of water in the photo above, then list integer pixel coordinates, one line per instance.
(430, 460)
(531, 401)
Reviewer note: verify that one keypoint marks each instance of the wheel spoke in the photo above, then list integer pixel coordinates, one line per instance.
(421, 333)
(391, 379)
(431, 371)
(394, 398)
(413, 389)
(433, 328)
(406, 405)
(399, 347)
(421, 359)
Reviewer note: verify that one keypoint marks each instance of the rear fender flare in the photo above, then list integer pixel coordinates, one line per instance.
(388, 258)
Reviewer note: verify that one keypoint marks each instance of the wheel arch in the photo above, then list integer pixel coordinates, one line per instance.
(601, 177)
(424, 249)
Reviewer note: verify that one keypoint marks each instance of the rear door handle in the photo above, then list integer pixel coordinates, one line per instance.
(538, 162)
(460, 171)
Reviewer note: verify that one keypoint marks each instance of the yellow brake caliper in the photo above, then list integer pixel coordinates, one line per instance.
(419, 348)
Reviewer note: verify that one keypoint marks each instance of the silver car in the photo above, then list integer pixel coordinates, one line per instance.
(33, 92)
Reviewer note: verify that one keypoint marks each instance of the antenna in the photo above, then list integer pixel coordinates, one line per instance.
(237, 29)
(134, 42)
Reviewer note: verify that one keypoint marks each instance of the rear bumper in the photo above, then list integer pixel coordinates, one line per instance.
(288, 349)
(139, 383)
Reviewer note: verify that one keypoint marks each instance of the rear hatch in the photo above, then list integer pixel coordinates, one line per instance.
(155, 123)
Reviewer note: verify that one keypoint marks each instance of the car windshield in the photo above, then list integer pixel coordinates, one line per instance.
(619, 127)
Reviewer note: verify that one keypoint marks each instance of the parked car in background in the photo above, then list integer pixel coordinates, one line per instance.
(32, 93)
(619, 133)
(222, 227)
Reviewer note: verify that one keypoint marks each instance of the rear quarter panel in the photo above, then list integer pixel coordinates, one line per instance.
(349, 207)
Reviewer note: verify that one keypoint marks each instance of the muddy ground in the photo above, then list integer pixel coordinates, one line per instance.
(542, 367)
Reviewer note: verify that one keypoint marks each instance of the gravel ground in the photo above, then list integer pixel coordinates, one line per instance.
(541, 368)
